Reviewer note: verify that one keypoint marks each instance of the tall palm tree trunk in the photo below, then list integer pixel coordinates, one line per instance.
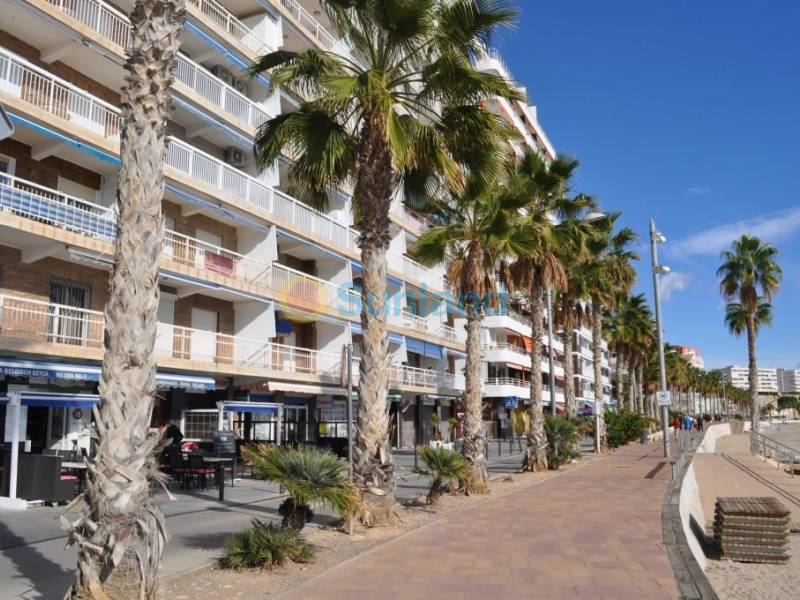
(618, 378)
(632, 404)
(474, 433)
(373, 469)
(570, 404)
(121, 533)
(535, 458)
(597, 357)
(752, 372)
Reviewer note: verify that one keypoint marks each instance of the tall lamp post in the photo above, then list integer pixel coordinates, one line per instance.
(656, 238)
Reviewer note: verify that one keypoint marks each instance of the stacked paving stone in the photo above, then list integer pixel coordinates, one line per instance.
(752, 529)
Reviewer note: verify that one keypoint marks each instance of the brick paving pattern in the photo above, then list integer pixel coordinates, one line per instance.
(593, 532)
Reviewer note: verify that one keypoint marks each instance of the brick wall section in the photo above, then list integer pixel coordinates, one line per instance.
(33, 280)
(77, 78)
(47, 171)
(190, 225)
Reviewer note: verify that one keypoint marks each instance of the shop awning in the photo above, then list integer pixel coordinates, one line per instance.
(394, 338)
(55, 400)
(250, 407)
(303, 388)
(17, 367)
(424, 348)
(357, 268)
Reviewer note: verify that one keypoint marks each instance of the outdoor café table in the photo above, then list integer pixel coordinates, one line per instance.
(219, 463)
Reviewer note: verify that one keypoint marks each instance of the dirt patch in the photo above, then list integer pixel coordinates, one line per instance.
(333, 547)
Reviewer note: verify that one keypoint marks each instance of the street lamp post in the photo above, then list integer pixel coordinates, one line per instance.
(550, 352)
(657, 238)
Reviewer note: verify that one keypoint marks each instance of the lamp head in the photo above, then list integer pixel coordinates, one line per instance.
(661, 269)
(659, 237)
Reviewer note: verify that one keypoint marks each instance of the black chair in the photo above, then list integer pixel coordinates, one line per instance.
(198, 469)
(177, 468)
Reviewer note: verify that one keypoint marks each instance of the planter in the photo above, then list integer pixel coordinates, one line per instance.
(737, 427)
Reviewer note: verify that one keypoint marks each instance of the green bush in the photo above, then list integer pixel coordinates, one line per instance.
(264, 546)
(562, 440)
(310, 476)
(625, 426)
(443, 467)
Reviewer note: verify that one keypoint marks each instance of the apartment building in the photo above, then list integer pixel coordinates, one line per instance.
(241, 256)
(739, 377)
(692, 355)
(506, 335)
(789, 381)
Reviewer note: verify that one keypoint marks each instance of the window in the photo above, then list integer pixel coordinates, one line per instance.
(200, 424)
(7, 164)
(68, 322)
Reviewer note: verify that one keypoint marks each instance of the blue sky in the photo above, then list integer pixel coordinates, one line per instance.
(688, 113)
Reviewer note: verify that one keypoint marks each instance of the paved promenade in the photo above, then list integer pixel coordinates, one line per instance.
(593, 532)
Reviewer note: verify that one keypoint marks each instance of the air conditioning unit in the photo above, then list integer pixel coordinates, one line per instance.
(234, 157)
(240, 85)
(223, 74)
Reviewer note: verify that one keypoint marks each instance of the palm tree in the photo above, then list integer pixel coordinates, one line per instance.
(479, 231)
(384, 117)
(540, 269)
(121, 533)
(605, 275)
(749, 277)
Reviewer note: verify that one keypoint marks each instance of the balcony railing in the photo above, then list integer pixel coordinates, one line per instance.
(309, 293)
(115, 26)
(504, 347)
(37, 87)
(49, 323)
(508, 381)
(305, 18)
(60, 98)
(218, 93)
(50, 207)
(224, 19)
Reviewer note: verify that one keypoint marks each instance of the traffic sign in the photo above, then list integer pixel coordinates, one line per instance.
(664, 398)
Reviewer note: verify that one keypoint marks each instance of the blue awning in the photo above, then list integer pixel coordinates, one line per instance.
(358, 268)
(17, 367)
(424, 348)
(394, 338)
(48, 399)
(251, 407)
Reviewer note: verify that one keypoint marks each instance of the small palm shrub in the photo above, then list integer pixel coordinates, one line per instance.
(310, 476)
(562, 440)
(625, 426)
(443, 467)
(264, 546)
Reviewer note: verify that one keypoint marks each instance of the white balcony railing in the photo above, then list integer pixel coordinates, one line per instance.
(322, 35)
(507, 381)
(425, 325)
(218, 93)
(226, 20)
(309, 293)
(115, 26)
(505, 347)
(60, 325)
(37, 87)
(51, 207)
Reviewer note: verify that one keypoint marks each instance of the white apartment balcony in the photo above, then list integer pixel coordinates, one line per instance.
(45, 328)
(227, 26)
(491, 60)
(501, 387)
(457, 335)
(113, 27)
(508, 318)
(514, 355)
(30, 208)
(309, 24)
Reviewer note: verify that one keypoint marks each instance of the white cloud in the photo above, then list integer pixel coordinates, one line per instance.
(697, 190)
(673, 282)
(772, 227)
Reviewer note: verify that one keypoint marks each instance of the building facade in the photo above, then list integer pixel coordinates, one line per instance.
(739, 377)
(692, 355)
(789, 381)
(241, 258)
